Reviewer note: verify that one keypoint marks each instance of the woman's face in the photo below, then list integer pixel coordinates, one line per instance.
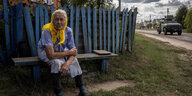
(59, 21)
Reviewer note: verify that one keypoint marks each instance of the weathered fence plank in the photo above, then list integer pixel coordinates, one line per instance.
(31, 40)
(13, 30)
(46, 14)
(109, 29)
(113, 31)
(104, 29)
(130, 30)
(89, 28)
(37, 30)
(19, 23)
(133, 28)
(125, 28)
(95, 29)
(77, 27)
(52, 9)
(117, 30)
(42, 22)
(6, 20)
(100, 29)
(84, 29)
(71, 16)
(122, 32)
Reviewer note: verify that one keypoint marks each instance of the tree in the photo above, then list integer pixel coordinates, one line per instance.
(188, 21)
(92, 3)
(181, 14)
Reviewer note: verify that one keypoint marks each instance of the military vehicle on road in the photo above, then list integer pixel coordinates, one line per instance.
(168, 24)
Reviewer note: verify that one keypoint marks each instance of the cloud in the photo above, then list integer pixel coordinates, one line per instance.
(173, 3)
(149, 1)
(139, 1)
(132, 1)
(149, 9)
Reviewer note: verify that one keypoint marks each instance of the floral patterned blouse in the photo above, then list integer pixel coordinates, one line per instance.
(46, 40)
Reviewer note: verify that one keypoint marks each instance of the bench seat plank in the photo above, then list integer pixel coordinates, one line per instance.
(36, 60)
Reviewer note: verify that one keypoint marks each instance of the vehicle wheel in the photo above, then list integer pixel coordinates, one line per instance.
(165, 31)
(171, 33)
(179, 32)
(159, 32)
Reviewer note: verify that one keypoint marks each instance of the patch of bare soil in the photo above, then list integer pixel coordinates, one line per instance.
(107, 86)
(186, 57)
(111, 85)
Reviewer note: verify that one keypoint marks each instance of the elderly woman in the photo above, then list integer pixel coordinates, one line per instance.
(57, 48)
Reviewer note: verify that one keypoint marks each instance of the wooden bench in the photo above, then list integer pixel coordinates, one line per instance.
(35, 61)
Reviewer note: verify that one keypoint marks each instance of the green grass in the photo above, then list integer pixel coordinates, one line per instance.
(157, 69)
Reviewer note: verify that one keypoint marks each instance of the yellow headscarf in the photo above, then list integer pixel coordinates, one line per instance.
(56, 33)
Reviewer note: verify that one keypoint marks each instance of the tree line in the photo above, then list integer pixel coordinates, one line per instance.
(184, 16)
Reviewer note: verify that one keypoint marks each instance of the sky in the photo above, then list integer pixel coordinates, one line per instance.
(155, 8)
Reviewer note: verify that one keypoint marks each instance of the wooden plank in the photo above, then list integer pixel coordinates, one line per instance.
(31, 40)
(42, 22)
(46, 15)
(100, 29)
(122, 32)
(101, 52)
(65, 8)
(113, 31)
(29, 29)
(109, 29)
(125, 28)
(19, 22)
(6, 20)
(37, 30)
(13, 30)
(52, 8)
(94, 28)
(60, 7)
(84, 29)
(130, 30)
(71, 17)
(117, 30)
(77, 27)
(89, 28)
(104, 29)
(86, 56)
(134, 24)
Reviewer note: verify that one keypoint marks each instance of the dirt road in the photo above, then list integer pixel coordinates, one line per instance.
(182, 41)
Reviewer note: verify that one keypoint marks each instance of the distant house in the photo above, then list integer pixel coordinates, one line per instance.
(146, 23)
(156, 21)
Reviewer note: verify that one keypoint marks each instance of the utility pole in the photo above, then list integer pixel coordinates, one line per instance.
(119, 5)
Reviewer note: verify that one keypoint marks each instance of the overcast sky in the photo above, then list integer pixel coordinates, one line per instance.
(155, 8)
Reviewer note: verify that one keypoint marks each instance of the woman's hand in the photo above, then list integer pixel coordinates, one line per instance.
(64, 68)
(73, 52)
